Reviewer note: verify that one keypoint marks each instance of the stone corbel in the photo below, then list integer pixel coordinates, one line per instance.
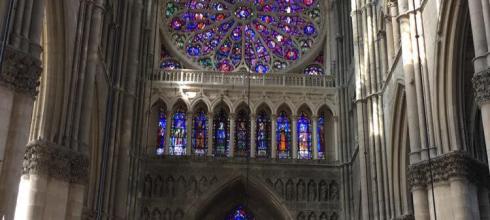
(481, 84)
(44, 158)
(21, 71)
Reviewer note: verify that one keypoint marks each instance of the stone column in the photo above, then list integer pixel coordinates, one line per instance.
(395, 25)
(210, 134)
(484, 203)
(168, 131)
(253, 130)
(315, 137)
(19, 79)
(231, 146)
(188, 133)
(273, 136)
(294, 129)
(481, 78)
(420, 203)
(465, 202)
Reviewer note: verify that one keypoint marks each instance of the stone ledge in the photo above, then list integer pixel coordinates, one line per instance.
(451, 165)
(20, 71)
(57, 162)
(240, 160)
(481, 85)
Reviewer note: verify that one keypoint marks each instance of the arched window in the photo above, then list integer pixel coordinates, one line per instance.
(283, 136)
(263, 135)
(178, 138)
(242, 134)
(221, 133)
(304, 136)
(240, 213)
(162, 125)
(321, 136)
(199, 134)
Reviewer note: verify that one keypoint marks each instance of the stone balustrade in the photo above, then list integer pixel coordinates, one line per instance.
(242, 79)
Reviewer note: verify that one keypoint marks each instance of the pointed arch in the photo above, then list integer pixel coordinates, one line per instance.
(224, 197)
(201, 102)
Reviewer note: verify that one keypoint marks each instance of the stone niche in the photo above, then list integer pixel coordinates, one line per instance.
(209, 188)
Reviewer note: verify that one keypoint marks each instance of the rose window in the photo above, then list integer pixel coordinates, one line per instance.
(257, 35)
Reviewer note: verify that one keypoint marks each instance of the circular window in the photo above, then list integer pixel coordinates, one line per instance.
(258, 35)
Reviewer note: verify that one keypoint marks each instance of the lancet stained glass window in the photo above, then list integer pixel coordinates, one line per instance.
(221, 134)
(321, 136)
(304, 136)
(260, 35)
(162, 125)
(199, 134)
(242, 134)
(283, 136)
(178, 137)
(240, 213)
(262, 135)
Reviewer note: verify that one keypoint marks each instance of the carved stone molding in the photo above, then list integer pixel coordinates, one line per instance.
(54, 161)
(452, 165)
(481, 84)
(21, 71)
(405, 217)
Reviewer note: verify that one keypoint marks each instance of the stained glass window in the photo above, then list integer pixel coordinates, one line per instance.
(321, 136)
(162, 125)
(283, 136)
(178, 138)
(221, 134)
(262, 135)
(242, 134)
(170, 64)
(314, 69)
(259, 35)
(240, 213)
(304, 136)
(199, 134)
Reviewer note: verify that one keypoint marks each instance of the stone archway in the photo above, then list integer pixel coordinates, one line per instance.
(255, 196)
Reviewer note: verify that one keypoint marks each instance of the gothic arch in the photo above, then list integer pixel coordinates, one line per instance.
(453, 19)
(222, 102)
(262, 202)
(266, 106)
(306, 108)
(202, 102)
(399, 161)
(284, 107)
(180, 103)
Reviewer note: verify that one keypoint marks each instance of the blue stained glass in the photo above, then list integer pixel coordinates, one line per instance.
(199, 135)
(283, 136)
(221, 134)
(304, 137)
(266, 31)
(263, 128)
(240, 213)
(242, 134)
(162, 125)
(321, 136)
(178, 138)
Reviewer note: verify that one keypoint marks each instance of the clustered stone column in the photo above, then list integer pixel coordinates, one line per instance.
(314, 137)
(188, 137)
(231, 142)
(253, 134)
(273, 136)
(168, 131)
(210, 134)
(294, 132)
(19, 78)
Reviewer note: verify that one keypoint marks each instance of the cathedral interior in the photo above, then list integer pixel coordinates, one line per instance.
(245, 109)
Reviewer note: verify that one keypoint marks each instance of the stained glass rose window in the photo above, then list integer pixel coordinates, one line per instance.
(258, 35)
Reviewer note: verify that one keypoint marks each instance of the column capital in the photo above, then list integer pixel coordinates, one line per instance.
(447, 166)
(20, 71)
(392, 3)
(481, 85)
(42, 157)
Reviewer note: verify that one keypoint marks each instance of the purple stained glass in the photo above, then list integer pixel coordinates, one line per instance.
(240, 213)
(259, 35)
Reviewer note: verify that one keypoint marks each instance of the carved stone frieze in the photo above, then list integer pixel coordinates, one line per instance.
(481, 84)
(58, 162)
(442, 168)
(21, 71)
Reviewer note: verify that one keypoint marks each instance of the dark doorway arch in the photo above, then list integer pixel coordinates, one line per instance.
(254, 195)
